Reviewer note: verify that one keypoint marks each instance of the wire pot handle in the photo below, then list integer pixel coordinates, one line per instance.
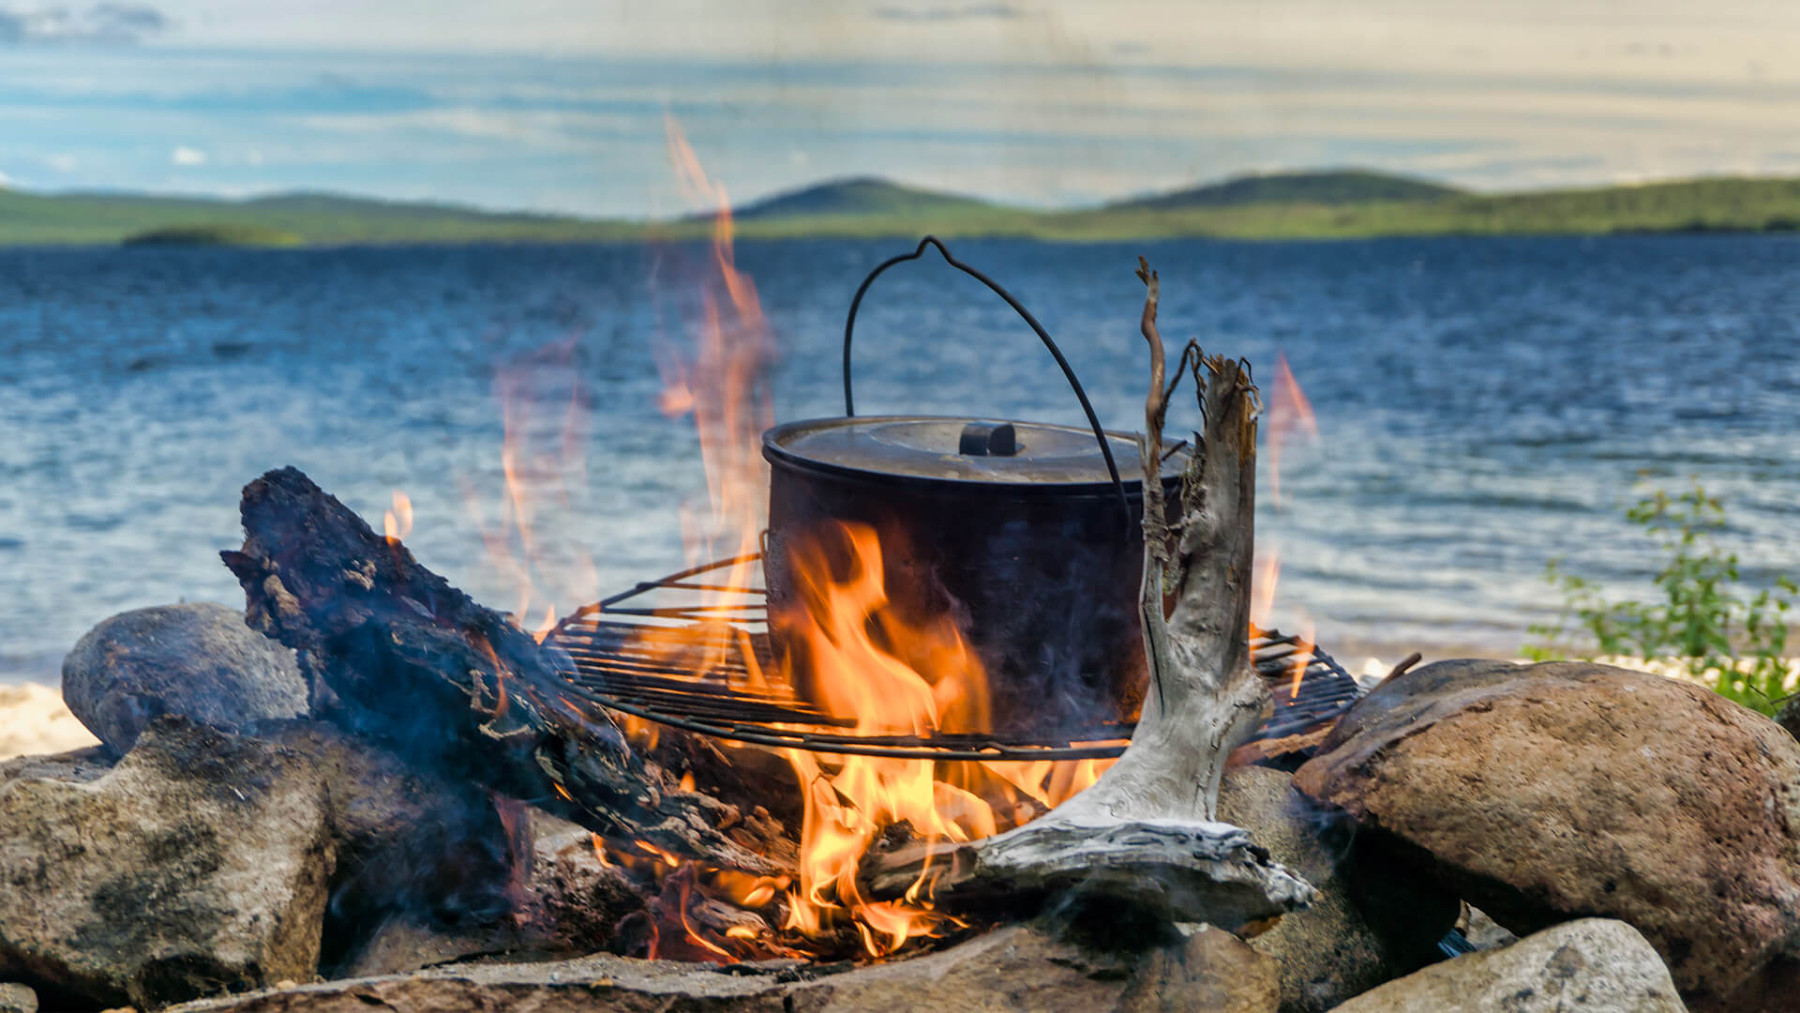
(1112, 467)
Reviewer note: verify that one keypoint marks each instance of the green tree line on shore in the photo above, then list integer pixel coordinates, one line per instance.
(1320, 205)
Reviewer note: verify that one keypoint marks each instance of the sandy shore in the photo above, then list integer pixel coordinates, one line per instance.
(33, 720)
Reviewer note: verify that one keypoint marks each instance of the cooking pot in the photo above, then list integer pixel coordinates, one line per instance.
(1024, 532)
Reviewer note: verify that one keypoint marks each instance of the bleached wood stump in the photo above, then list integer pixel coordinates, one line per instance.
(1145, 833)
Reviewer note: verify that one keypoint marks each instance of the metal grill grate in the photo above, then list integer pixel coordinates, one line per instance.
(701, 663)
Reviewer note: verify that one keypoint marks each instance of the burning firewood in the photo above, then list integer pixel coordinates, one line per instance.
(1145, 833)
(395, 652)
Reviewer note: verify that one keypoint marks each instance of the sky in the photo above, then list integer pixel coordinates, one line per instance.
(560, 105)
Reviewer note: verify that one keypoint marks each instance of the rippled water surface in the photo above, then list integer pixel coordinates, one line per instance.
(1484, 404)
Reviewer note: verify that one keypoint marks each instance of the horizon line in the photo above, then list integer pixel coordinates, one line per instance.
(6, 187)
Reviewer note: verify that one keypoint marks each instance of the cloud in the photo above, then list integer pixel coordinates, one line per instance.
(5, 181)
(967, 12)
(105, 23)
(183, 155)
(534, 127)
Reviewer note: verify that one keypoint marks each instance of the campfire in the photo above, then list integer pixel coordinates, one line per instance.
(926, 707)
(920, 689)
(964, 710)
(870, 666)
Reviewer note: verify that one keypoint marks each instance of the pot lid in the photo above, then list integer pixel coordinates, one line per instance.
(959, 450)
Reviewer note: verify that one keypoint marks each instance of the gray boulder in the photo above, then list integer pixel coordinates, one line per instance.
(197, 661)
(1368, 925)
(1595, 965)
(198, 865)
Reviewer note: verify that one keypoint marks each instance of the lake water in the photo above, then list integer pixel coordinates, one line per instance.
(1483, 405)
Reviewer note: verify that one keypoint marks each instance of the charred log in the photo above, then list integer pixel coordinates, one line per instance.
(396, 653)
(1145, 832)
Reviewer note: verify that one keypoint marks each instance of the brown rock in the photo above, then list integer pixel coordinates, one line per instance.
(430, 871)
(1333, 949)
(1213, 971)
(1011, 969)
(15, 998)
(1549, 792)
(197, 865)
(1594, 965)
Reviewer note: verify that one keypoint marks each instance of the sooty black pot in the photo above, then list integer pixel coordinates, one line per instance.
(1016, 530)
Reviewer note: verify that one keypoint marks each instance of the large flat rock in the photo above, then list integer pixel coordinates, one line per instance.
(1550, 792)
(1012, 969)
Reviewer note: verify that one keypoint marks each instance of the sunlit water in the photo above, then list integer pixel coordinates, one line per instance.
(1485, 404)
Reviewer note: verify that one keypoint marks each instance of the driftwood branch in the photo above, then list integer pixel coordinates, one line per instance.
(1146, 829)
(397, 653)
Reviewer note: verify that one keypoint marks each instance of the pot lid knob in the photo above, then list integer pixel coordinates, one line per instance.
(989, 439)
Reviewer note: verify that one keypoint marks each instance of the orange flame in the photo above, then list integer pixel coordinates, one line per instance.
(723, 382)
(861, 680)
(1289, 416)
(874, 670)
(891, 676)
(543, 470)
(398, 521)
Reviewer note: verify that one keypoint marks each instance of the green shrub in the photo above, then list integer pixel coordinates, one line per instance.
(1705, 621)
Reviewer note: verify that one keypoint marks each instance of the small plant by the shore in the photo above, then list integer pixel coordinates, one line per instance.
(1705, 625)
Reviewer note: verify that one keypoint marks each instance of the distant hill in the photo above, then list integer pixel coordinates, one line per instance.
(1310, 205)
(1344, 186)
(310, 218)
(863, 196)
